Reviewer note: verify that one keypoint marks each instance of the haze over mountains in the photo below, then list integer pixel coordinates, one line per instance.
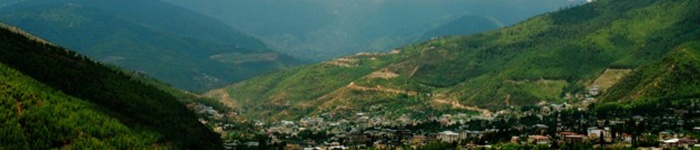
(600, 65)
(551, 57)
(183, 48)
(326, 29)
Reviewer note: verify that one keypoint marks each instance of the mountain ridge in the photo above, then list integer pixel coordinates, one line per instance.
(541, 59)
(183, 48)
(321, 30)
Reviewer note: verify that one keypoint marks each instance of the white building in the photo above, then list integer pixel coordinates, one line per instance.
(448, 136)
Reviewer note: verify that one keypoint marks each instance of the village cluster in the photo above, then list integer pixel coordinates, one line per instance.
(542, 126)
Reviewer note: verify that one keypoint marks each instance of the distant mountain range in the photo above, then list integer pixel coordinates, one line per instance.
(465, 25)
(51, 97)
(554, 57)
(178, 46)
(326, 29)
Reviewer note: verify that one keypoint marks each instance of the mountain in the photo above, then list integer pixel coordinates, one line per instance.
(462, 26)
(326, 29)
(56, 98)
(651, 90)
(553, 57)
(676, 76)
(183, 48)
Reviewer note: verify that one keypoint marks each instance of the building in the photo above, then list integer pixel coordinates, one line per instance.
(448, 136)
(595, 133)
(515, 139)
(539, 139)
(572, 137)
(685, 143)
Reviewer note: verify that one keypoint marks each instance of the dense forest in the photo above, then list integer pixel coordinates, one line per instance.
(135, 114)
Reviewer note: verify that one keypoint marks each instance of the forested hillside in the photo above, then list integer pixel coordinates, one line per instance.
(37, 117)
(58, 98)
(652, 90)
(550, 57)
(188, 50)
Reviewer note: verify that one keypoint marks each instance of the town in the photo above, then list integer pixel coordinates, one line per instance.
(542, 126)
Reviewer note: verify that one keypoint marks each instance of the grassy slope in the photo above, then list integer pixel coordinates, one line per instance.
(657, 90)
(539, 59)
(677, 76)
(138, 106)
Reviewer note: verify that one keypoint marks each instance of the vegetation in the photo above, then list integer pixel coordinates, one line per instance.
(541, 59)
(658, 90)
(675, 78)
(180, 47)
(37, 117)
(128, 113)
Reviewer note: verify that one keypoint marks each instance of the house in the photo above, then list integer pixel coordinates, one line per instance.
(336, 146)
(231, 144)
(595, 133)
(572, 137)
(379, 144)
(675, 143)
(341, 147)
(667, 135)
(541, 128)
(696, 129)
(594, 91)
(515, 139)
(538, 139)
(448, 136)
(687, 143)
(313, 148)
(626, 137)
(292, 147)
(252, 144)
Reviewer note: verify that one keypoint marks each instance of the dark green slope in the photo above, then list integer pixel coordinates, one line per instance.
(139, 114)
(183, 48)
(542, 58)
(37, 117)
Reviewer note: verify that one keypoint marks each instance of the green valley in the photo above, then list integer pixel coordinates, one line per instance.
(609, 74)
(599, 74)
(544, 58)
